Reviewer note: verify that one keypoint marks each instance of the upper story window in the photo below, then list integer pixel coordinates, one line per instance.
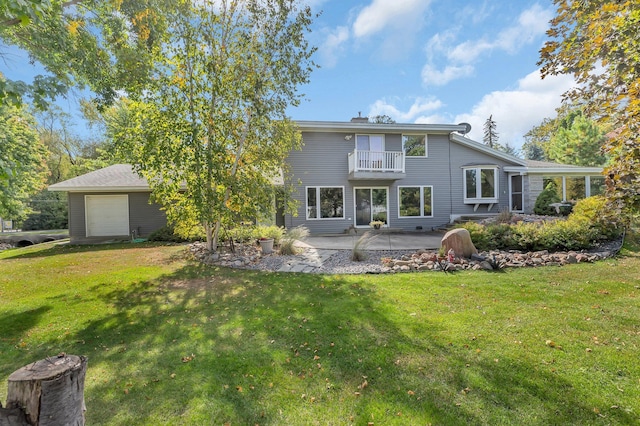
(481, 184)
(414, 145)
(325, 202)
(374, 143)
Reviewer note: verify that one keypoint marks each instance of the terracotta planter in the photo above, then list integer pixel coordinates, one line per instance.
(266, 245)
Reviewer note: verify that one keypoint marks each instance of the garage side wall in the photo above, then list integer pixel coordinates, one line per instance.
(144, 218)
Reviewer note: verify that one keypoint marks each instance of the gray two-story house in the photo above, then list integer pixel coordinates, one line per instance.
(410, 177)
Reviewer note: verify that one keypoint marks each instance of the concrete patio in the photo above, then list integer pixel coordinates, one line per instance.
(380, 241)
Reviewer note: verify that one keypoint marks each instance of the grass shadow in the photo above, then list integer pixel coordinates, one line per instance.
(15, 325)
(208, 345)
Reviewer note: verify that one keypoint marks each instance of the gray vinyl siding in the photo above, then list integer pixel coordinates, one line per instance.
(462, 156)
(323, 162)
(144, 218)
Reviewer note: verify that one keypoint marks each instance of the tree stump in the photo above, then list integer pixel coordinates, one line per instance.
(50, 391)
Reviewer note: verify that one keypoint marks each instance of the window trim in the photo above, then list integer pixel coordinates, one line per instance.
(421, 201)
(426, 145)
(478, 199)
(318, 188)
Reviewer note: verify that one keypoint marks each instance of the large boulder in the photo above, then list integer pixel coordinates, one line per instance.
(460, 241)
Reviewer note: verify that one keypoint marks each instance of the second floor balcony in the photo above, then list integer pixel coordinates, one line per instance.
(376, 165)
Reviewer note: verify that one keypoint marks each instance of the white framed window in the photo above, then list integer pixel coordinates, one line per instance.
(415, 145)
(415, 201)
(480, 184)
(325, 202)
(373, 143)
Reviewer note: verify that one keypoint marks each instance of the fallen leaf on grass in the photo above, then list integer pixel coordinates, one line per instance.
(188, 358)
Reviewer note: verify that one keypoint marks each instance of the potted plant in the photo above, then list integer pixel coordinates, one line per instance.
(266, 244)
(376, 224)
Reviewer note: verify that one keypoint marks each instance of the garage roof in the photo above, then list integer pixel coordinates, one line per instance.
(116, 178)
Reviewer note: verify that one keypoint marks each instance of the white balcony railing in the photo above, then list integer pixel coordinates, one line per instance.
(376, 161)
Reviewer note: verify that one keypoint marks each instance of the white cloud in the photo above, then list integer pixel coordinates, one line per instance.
(515, 111)
(333, 46)
(531, 24)
(419, 106)
(383, 13)
(433, 77)
(518, 111)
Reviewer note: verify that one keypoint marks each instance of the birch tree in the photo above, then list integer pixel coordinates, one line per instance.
(211, 135)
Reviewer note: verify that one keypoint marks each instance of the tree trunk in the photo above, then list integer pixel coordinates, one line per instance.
(50, 391)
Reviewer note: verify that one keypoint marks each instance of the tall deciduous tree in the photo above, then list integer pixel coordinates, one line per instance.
(212, 135)
(105, 44)
(22, 170)
(598, 43)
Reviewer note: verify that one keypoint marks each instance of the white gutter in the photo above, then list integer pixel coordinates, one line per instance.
(61, 188)
(341, 126)
(559, 169)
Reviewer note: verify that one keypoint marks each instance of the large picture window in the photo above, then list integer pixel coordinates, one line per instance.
(481, 185)
(325, 202)
(414, 145)
(415, 201)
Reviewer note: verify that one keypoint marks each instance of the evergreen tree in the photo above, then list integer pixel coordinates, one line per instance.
(490, 134)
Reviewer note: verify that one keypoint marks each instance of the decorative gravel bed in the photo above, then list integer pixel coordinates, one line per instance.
(390, 261)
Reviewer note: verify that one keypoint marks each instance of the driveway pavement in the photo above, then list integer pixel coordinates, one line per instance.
(381, 241)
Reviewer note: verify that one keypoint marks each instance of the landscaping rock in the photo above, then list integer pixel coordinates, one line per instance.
(459, 240)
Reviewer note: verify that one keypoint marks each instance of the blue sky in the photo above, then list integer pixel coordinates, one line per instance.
(419, 61)
(433, 61)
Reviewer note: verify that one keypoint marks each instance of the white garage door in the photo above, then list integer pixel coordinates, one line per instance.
(107, 215)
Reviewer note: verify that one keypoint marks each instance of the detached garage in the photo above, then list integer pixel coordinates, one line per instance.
(110, 204)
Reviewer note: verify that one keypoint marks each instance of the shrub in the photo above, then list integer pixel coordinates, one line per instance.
(239, 234)
(499, 235)
(548, 196)
(272, 231)
(527, 236)
(567, 235)
(479, 235)
(290, 237)
(594, 211)
(166, 233)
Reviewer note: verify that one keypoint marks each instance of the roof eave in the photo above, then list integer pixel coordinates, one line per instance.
(340, 126)
(555, 170)
(454, 137)
(62, 188)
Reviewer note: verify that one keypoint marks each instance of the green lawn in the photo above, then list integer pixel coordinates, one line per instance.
(173, 342)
